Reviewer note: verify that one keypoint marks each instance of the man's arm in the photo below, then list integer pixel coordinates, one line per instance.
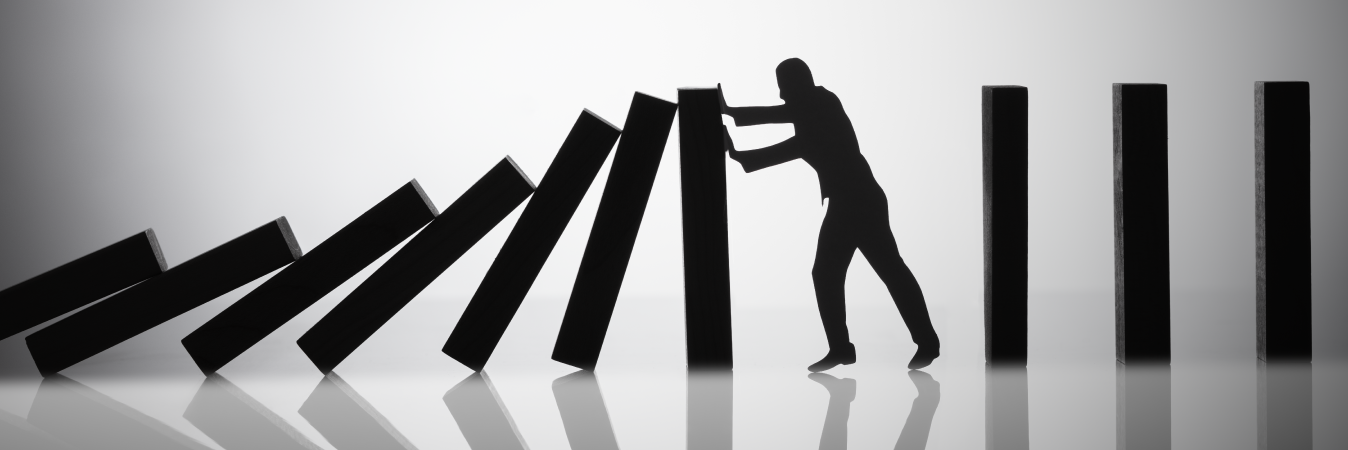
(769, 156)
(753, 115)
(758, 115)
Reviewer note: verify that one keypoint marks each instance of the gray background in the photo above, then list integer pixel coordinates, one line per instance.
(204, 121)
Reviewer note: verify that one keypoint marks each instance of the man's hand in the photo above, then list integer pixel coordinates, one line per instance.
(725, 109)
(729, 143)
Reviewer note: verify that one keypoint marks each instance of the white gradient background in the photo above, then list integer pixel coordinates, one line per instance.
(205, 120)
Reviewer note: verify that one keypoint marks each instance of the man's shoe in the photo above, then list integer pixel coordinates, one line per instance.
(924, 357)
(846, 355)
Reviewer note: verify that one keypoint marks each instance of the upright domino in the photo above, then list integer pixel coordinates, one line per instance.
(706, 246)
(1141, 225)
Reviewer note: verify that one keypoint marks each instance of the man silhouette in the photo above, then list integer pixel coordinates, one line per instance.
(858, 212)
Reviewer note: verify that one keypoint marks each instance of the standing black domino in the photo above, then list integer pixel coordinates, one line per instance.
(416, 265)
(706, 246)
(79, 282)
(157, 300)
(1282, 152)
(1005, 223)
(1141, 225)
(298, 286)
(527, 247)
(615, 231)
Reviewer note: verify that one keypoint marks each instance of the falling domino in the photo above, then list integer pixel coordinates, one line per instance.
(615, 231)
(303, 283)
(79, 282)
(157, 300)
(527, 247)
(416, 265)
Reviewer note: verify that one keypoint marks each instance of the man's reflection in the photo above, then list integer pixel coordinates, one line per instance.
(841, 392)
(1284, 391)
(918, 426)
(584, 414)
(482, 418)
(237, 421)
(346, 420)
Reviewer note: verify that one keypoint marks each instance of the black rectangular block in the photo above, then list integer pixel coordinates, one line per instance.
(615, 231)
(1282, 155)
(416, 265)
(347, 420)
(1141, 224)
(706, 247)
(305, 282)
(1005, 223)
(237, 421)
(157, 300)
(79, 282)
(511, 275)
(484, 421)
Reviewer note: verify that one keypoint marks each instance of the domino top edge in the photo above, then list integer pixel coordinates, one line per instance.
(521, 172)
(652, 97)
(284, 226)
(425, 198)
(154, 247)
(601, 119)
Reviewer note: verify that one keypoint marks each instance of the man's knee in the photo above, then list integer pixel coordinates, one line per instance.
(825, 274)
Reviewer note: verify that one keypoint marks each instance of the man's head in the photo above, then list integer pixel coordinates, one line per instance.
(793, 76)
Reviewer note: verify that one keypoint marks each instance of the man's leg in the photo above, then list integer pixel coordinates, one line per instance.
(883, 254)
(831, 258)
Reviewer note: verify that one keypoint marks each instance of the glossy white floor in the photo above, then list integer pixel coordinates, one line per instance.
(146, 394)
